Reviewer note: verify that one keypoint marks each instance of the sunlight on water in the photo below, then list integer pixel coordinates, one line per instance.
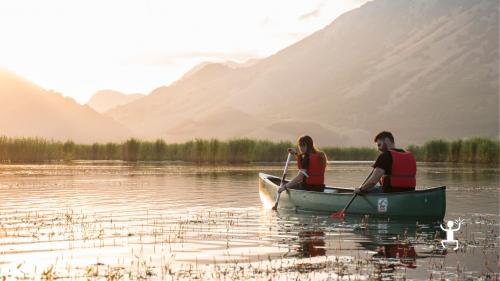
(173, 221)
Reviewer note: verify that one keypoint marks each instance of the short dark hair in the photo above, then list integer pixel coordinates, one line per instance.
(384, 135)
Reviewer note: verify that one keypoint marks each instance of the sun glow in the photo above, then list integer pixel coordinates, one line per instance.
(80, 47)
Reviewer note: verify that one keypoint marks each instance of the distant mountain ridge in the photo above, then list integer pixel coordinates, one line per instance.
(422, 69)
(30, 111)
(105, 100)
(230, 64)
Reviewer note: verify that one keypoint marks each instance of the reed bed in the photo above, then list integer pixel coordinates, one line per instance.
(36, 150)
(476, 150)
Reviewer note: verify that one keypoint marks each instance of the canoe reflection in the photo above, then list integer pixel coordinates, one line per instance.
(405, 253)
(387, 243)
(312, 244)
(400, 243)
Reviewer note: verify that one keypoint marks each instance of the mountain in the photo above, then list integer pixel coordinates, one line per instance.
(230, 64)
(105, 100)
(422, 69)
(29, 110)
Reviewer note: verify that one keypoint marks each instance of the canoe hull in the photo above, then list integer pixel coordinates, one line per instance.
(425, 204)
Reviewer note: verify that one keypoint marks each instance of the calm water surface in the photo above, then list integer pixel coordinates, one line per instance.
(109, 220)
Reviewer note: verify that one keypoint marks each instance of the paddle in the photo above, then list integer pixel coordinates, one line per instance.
(275, 207)
(340, 214)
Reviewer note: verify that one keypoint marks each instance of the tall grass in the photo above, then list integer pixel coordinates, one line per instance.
(475, 150)
(26, 150)
(350, 153)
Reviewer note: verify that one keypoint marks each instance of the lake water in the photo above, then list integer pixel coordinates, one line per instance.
(110, 220)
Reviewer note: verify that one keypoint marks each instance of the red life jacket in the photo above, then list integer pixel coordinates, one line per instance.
(404, 170)
(313, 244)
(316, 170)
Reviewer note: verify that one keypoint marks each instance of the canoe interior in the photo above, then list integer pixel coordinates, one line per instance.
(330, 189)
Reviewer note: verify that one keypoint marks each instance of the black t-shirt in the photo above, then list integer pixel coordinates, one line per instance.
(384, 162)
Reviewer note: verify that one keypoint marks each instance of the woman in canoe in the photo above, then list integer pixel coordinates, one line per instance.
(311, 163)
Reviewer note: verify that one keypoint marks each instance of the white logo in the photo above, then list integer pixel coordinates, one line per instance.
(383, 203)
(449, 233)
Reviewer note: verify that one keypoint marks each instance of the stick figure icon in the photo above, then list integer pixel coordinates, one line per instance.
(449, 232)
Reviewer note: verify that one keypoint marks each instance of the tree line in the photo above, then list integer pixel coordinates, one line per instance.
(36, 150)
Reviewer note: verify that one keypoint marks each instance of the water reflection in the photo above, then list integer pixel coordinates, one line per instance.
(311, 244)
(389, 243)
(399, 243)
(182, 216)
(404, 253)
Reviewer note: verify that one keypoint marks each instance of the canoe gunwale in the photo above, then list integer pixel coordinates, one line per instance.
(266, 177)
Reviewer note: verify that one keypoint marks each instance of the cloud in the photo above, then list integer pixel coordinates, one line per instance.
(181, 57)
(297, 35)
(266, 21)
(311, 15)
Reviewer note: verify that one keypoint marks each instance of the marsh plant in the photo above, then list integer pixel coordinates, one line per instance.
(32, 150)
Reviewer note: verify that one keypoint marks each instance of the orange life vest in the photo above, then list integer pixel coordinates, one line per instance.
(404, 170)
(316, 170)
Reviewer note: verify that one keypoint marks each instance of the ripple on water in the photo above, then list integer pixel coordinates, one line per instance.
(182, 222)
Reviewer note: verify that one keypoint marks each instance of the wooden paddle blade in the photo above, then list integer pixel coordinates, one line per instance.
(339, 215)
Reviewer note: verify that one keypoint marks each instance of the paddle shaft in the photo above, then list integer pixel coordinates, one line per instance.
(355, 194)
(283, 179)
(349, 204)
(286, 168)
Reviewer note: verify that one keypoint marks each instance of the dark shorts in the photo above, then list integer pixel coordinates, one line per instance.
(389, 189)
(308, 187)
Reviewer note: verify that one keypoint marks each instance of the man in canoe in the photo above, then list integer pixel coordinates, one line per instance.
(311, 163)
(394, 168)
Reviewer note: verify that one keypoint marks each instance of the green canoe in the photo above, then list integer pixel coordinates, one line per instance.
(425, 204)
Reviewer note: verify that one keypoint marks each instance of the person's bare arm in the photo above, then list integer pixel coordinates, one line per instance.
(295, 181)
(372, 180)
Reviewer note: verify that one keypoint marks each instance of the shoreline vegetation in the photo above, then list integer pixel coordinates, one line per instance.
(39, 150)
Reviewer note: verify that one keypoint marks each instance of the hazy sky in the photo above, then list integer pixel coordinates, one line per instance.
(79, 47)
